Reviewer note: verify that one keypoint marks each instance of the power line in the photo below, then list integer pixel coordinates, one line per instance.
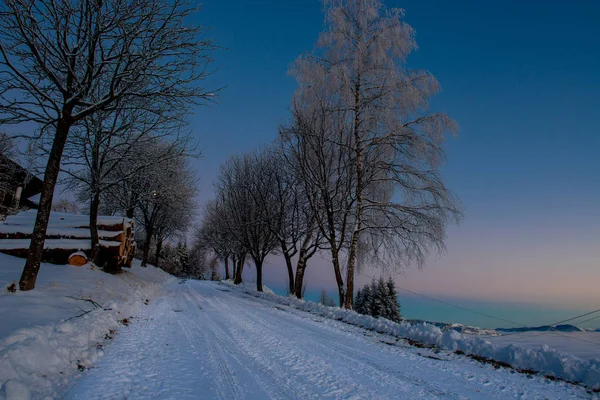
(579, 316)
(589, 319)
(453, 305)
(461, 307)
(537, 333)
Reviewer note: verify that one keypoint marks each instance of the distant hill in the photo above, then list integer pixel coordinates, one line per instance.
(544, 328)
(465, 329)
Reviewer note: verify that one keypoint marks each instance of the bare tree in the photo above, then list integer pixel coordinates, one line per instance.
(400, 206)
(213, 235)
(66, 206)
(62, 61)
(316, 146)
(292, 220)
(239, 189)
(101, 153)
(166, 204)
(173, 221)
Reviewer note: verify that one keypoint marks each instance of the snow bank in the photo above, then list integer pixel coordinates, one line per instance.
(544, 360)
(67, 244)
(49, 333)
(58, 220)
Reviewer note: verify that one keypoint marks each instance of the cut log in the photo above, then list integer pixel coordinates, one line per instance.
(78, 259)
(68, 234)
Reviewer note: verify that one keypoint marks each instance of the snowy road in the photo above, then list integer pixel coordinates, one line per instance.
(206, 341)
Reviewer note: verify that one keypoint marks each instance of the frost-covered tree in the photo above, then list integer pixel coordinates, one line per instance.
(183, 258)
(240, 190)
(315, 145)
(66, 206)
(400, 206)
(167, 206)
(62, 61)
(290, 217)
(101, 152)
(214, 235)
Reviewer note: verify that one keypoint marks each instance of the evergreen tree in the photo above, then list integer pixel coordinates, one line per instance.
(182, 252)
(367, 300)
(379, 299)
(358, 302)
(394, 311)
(325, 299)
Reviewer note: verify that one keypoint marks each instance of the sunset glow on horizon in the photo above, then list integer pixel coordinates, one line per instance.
(522, 83)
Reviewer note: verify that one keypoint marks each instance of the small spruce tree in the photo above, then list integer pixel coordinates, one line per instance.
(379, 299)
(358, 302)
(394, 310)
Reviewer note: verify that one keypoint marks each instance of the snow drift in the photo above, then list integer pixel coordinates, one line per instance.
(50, 333)
(544, 360)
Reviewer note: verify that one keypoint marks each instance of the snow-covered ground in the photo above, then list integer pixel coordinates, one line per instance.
(190, 339)
(42, 341)
(585, 345)
(542, 359)
(210, 340)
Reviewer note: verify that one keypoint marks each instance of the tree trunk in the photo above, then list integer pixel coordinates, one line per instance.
(234, 265)
(338, 275)
(131, 209)
(300, 269)
(36, 247)
(239, 271)
(258, 265)
(359, 149)
(146, 252)
(227, 277)
(158, 250)
(303, 257)
(290, 268)
(94, 205)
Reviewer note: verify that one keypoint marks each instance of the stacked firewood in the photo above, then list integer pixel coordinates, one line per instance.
(68, 239)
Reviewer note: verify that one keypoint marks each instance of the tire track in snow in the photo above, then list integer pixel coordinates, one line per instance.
(453, 376)
(231, 347)
(396, 381)
(227, 384)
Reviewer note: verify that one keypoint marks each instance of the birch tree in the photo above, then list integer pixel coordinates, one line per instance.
(62, 61)
(400, 206)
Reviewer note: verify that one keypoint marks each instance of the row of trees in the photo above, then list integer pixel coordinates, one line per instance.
(355, 171)
(107, 85)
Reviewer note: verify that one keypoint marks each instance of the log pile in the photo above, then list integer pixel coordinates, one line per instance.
(68, 234)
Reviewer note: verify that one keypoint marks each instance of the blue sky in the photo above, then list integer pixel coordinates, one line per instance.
(521, 79)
